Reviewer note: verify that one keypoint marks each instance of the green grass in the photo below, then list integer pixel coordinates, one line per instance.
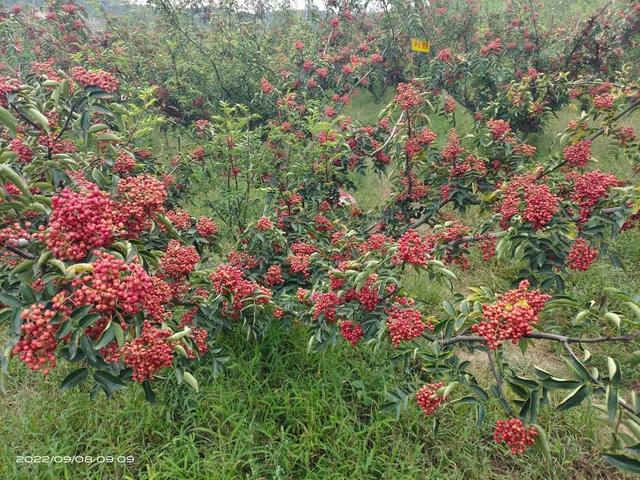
(277, 413)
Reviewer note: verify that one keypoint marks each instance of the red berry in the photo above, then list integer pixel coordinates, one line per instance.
(428, 399)
(515, 434)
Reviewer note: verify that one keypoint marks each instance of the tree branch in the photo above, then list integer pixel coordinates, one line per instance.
(498, 378)
(20, 253)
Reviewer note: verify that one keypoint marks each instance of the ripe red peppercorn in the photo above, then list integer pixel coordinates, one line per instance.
(578, 154)
(428, 399)
(37, 344)
(412, 249)
(80, 222)
(515, 434)
(206, 227)
(274, 275)
(97, 78)
(405, 324)
(581, 256)
(149, 353)
(179, 260)
(351, 332)
(512, 317)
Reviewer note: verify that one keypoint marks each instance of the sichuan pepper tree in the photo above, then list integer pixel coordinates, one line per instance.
(97, 270)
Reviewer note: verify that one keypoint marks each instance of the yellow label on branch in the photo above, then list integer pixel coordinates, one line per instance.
(418, 45)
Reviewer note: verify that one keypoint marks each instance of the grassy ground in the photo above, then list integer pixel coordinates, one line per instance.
(280, 413)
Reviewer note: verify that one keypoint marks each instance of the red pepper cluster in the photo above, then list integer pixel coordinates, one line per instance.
(578, 154)
(206, 227)
(512, 317)
(97, 78)
(589, 188)
(412, 249)
(180, 218)
(179, 260)
(581, 256)
(274, 275)
(149, 353)
(498, 128)
(24, 152)
(407, 96)
(428, 399)
(453, 149)
(156, 298)
(265, 86)
(515, 434)
(112, 284)
(416, 143)
(37, 344)
(444, 55)
(325, 304)
(405, 324)
(124, 163)
(542, 205)
(264, 223)
(351, 331)
(80, 222)
(229, 280)
(367, 295)
(139, 198)
(322, 223)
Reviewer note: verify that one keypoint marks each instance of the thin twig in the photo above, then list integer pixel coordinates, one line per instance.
(498, 378)
(20, 253)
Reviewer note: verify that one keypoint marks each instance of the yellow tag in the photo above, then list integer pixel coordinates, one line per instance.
(418, 45)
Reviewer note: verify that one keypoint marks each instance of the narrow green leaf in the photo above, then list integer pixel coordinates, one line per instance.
(109, 382)
(542, 443)
(574, 398)
(10, 300)
(8, 120)
(622, 462)
(614, 317)
(74, 378)
(191, 380)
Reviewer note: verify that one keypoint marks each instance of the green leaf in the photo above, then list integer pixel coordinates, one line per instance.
(168, 225)
(110, 383)
(614, 372)
(635, 308)
(148, 391)
(74, 378)
(450, 309)
(578, 368)
(614, 317)
(397, 401)
(13, 177)
(8, 121)
(107, 336)
(58, 264)
(542, 443)
(191, 380)
(27, 294)
(39, 118)
(622, 462)
(575, 398)
(634, 359)
(119, 333)
(480, 414)
(87, 347)
(449, 388)
(612, 403)
(10, 300)
(80, 312)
